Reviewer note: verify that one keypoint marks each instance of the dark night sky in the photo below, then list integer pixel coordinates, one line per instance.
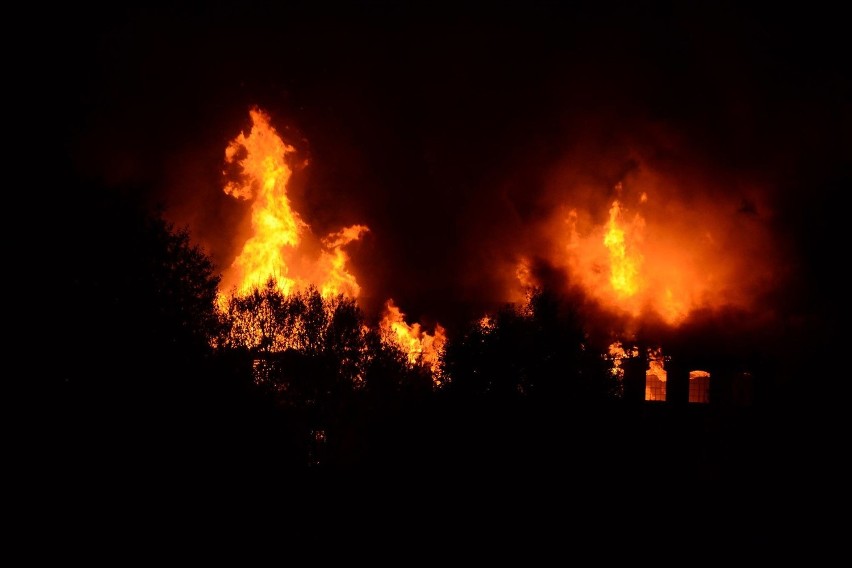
(439, 125)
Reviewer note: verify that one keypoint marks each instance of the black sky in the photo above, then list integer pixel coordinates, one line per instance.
(440, 125)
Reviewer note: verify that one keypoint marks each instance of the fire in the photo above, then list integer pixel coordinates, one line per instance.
(656, 375)
(420, 347)
(656, 364)
(280, 244)
(609, 262)
(617, 354)
(487, 324)
(282, 250)
(699, 386)
(661, 250)
(625, 261)
(335, 258)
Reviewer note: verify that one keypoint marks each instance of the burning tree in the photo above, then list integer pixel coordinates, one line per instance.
(286, 288)
(266, 322)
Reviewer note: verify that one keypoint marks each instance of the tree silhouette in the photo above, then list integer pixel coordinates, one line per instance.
(146, 362)
(317, 358)
(133, 301)
(139, 296)
(538, 349)
(180, 293)
(331, 372)
(522, 385)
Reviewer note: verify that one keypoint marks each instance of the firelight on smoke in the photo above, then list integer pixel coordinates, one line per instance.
(661, 254)
(659, 251)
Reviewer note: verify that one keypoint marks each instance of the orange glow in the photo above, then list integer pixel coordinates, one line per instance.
(659, 248)
(487, 324)
(339, 280)
(280, 244)
(656, 365)
(655, 376)
(524, 274)
(699, 386)
(616, 354)
(420, 347)
(624, 261)
(283, 253)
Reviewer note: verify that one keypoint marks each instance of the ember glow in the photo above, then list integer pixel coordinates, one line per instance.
(617, 353)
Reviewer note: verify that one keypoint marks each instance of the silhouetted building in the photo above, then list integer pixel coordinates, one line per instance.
(635, 369)
(677, 382)
(742, 389)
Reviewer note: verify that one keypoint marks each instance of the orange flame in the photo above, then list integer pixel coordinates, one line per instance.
(656, 375)
(339, 279)
(656, 364)
(420, 347)
(662, 251)
(625, 261)
(277, 247)
(281, 244)
(487, 324)
(699, 386)
(617, 354)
